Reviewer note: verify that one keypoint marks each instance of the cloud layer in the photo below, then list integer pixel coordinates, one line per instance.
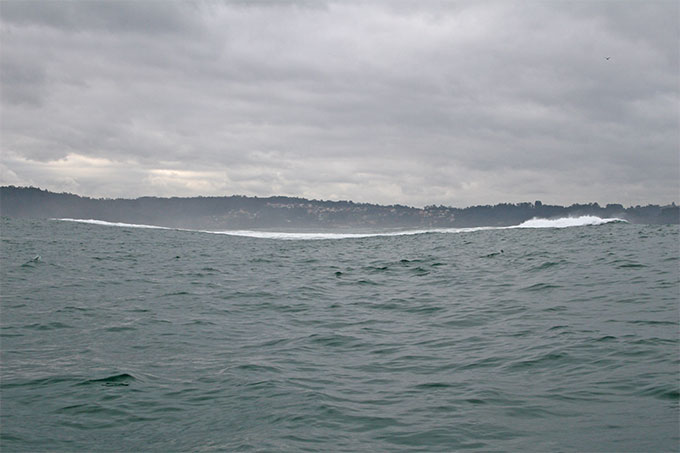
(390, 102)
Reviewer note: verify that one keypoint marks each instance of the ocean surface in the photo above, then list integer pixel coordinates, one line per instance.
(554, 336)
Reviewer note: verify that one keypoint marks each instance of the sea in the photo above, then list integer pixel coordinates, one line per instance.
(553, 335)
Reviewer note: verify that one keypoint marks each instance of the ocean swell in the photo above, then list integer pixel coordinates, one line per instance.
(564, 222)
(116, 224)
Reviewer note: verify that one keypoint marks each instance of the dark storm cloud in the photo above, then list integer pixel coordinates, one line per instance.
(409, 102)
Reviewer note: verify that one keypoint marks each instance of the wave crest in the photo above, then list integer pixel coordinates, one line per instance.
(566, 222)
(317, 236)
(118, 224)
(533, 223)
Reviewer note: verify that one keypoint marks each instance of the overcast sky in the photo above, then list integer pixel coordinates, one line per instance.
(410, 102)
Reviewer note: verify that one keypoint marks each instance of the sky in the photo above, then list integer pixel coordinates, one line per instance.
(390, 102)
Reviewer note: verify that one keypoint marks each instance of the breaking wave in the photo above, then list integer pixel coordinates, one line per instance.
(117, 224)
(321, 236)
(564, 222)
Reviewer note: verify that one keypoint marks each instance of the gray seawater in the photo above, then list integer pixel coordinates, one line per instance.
(129, 339)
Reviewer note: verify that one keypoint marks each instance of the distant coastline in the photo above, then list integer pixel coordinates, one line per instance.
(291, 213)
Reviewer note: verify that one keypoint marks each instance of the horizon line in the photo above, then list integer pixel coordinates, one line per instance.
(428, 206)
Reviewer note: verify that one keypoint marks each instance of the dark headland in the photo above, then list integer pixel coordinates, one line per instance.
(241, 212)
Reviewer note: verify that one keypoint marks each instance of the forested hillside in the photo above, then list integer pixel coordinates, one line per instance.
(237, 211)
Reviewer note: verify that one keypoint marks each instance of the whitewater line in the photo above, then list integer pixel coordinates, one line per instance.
(537, 223)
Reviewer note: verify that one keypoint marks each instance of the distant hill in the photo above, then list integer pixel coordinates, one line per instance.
(234, 212)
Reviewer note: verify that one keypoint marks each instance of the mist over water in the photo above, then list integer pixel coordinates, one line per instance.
(557, 335)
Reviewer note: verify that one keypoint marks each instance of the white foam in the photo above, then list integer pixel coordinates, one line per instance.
(533, 223)
(116, 224)
(322, 236)
(566, 222)
(313, 236)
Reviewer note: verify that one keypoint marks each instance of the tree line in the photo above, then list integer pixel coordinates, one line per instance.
(237, 211)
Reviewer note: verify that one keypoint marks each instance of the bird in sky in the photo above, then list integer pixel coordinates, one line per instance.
(607, 58)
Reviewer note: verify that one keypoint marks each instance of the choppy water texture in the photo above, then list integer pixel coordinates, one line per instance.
(119, 338)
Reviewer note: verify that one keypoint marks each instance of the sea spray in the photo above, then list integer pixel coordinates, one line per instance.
(566, 222)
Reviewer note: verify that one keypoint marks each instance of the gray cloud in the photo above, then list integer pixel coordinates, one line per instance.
(391, 102)
(125, 16)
